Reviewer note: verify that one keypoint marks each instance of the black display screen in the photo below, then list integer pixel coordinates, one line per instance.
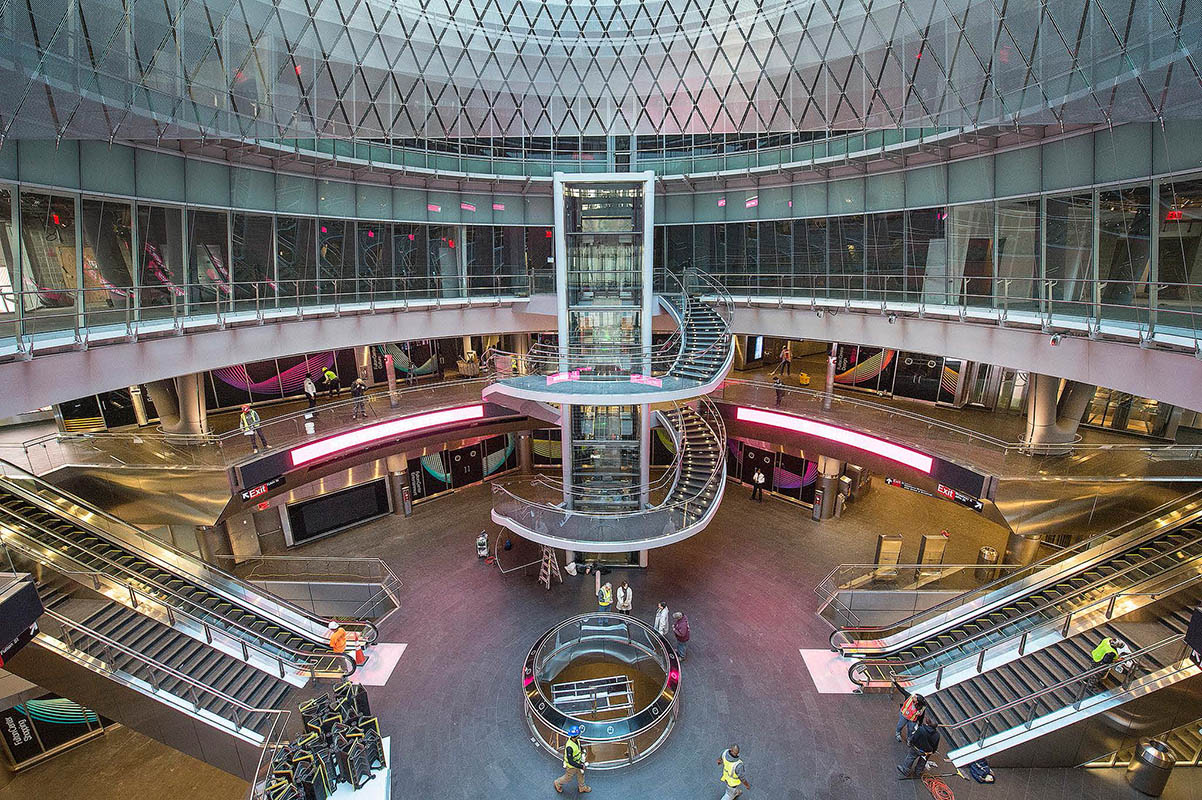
(332, 512)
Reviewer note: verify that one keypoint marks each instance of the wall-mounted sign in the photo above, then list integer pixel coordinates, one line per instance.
(909, 487)
(25, 637)
(957, 496)
(262, 488)
(646, 380)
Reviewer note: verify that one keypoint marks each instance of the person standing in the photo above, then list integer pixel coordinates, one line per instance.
(923, 745)
(757, 485)
(337, 637)
(786, 359)
(359, 393)
(332, 382)
(248, 422)
(907, 717)
(780, 389)
(734, 778)
(605, 597)
(680, 629)
(625, 598)
(573, 762)
(1103, 655)
(311, 392)
(663, 620)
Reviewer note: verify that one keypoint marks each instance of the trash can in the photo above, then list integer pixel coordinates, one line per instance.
(1149, 770)
(987, 564)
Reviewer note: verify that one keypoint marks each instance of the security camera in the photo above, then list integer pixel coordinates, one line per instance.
(1056, 337)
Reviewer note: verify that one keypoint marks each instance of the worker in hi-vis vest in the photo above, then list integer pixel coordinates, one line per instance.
(733, 777)
(573, 762)
(605, 597)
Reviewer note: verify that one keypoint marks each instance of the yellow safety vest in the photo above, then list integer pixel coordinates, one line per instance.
(577, 753)
(1101, 650)
(910, 709)
(728, 771)
(607, 595)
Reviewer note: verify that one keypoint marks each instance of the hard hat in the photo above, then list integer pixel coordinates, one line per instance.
(246, 406)
(575, 730)
(333, 625)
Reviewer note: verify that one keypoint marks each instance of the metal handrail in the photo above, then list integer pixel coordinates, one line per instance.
(1063, 622)
(390, 583)
(136, 596)
(68, 623)
(1082, 678)
(1032, 568)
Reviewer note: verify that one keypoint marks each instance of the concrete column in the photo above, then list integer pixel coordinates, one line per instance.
(215, 545)
(400, 492)
(139, 403)
(829, 472)
(830, 377)
(162, 394)
(193, 417)
(525, 452)
(1051, 421)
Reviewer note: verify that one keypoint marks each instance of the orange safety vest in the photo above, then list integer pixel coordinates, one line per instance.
(338, 640)
(910, 709)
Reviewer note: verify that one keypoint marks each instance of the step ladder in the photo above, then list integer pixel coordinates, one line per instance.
(594, 697)
(549, 568)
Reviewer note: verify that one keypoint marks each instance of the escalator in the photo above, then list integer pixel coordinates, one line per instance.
(1184, 742)
(1058, 686)
(1158, 548)
(62, 533)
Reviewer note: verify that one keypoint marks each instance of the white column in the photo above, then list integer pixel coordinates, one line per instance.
(648, 311)
(561, 269)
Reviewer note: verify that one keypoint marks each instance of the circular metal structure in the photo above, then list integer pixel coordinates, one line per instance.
(625, 715)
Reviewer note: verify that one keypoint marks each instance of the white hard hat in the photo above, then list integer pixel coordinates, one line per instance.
(333, 625)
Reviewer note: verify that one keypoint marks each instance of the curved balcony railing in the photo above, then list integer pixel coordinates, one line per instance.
(687, 507)
(697, 353)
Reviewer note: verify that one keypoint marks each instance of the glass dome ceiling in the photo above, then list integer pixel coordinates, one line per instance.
(480, 68)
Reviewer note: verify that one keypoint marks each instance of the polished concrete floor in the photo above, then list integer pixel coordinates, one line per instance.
(453, 706)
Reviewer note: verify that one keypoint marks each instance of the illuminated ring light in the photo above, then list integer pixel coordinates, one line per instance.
(621, 737)
(833, 433)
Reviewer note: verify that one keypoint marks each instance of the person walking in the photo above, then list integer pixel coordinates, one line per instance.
(332, 382)
(337, 637)
(780, 389)
(359, 393)
(757, 485)
(573, 763)
(663, 620)
(786, 359)
(912, 708)
(248, 422)
(605, 597)
(680, 629)
(1103, 655)
(923, 744)
(625, 597)
(734, 777)
(311, 392)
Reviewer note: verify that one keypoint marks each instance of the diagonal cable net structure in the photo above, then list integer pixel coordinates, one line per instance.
(379, 69)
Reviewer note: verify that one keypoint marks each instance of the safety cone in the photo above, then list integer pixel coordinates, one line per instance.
(360, 657)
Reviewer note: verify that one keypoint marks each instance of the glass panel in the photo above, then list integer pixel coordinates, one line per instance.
(409, 259)
(809, 256)
(539, 260)
(678, 248)
(926, 249)
(373, 250)
(1125, 254)
(335, 260)
(208, 261)
(1018, 254)
(1069, 269)
(8, 258)
(846, 252)
(603, 209)
(886, 255)
(48, 239)
(443, 259)
(107, 261)
(480, 254)
(509, 260)
(161, 268)
(254, 266)
(1179, 271)
(776, 256)
(970, 250)
(296, 258)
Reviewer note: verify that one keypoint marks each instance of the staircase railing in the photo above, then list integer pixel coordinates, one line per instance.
(157, 673)
(1191, 732)
(324, 569)
(883, 671)
(1182, 510)
(1138, 668)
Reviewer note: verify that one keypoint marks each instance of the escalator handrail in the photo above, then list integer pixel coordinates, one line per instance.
(318, 622)
(1176, 638)
(1031, 569)
(67, 622)
(257, 640)
(1060, 621)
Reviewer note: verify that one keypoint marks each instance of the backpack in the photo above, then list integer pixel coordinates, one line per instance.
(980, 771)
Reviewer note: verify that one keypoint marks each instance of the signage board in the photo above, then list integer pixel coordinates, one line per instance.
(956, 496)
(262, 488)
(909, 487)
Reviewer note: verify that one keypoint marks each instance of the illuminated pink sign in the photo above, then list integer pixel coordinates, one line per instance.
(467, 207)
(561, 377)
(751, 202)
(433, 207)
(498, 206)
(721, 202)
(383, 430)
(646, 380)
(833, 433)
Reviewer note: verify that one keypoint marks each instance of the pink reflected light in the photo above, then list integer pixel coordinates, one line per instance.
(833, 433)
(383, 430)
